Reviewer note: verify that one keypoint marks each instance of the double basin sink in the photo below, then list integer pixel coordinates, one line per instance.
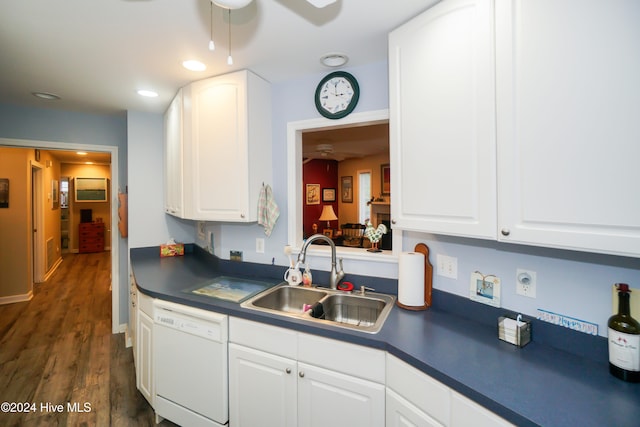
(363, 312)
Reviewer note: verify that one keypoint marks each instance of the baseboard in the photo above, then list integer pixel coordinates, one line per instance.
(53, 269)
(16, 298)
(122, 328)
(127, 337)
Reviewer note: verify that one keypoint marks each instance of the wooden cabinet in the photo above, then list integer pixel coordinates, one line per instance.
(549, 160)
(144, 347)
(218, 148)
(442, 121)
(568, 127)
(297, 381)
(91, 237)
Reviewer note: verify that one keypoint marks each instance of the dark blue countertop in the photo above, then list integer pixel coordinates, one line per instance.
(561, 378)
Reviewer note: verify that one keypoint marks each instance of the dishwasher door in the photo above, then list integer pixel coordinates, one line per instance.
(190, 363)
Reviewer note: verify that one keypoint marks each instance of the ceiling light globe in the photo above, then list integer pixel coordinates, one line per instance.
(231, 4)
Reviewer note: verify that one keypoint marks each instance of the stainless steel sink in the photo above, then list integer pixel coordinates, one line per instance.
(365, 313)
(288, 298)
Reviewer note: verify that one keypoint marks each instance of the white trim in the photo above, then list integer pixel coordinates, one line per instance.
(115, 243)
(294, 186)
(16, 298)
(53, 269)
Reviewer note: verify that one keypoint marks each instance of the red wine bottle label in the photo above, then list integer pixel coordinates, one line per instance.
(624, 350)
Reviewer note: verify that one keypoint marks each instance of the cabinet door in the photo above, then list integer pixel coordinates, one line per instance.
(262, 389)
(215, 115)
(173, 157)
(465, 412)
(328, 398)
(442, 120)
(568, 129)
(144, 371)
(401, 413)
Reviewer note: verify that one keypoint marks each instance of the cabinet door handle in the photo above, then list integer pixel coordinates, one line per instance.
(288, 370)
(393, 221)
(301, 374)
(505, 231)
(241, 215)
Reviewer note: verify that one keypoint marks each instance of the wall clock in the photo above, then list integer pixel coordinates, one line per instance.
(337, 95)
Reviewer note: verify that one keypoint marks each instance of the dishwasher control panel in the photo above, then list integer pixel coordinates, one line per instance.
(191, 325)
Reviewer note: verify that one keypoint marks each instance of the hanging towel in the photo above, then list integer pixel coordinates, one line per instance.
(268, 211)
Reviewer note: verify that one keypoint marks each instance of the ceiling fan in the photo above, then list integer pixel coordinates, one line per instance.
(239, 4)
(326, 151)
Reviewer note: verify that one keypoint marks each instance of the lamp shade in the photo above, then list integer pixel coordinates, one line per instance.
(327, 214)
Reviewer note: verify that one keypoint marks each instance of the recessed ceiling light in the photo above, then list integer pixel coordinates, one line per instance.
(81, 153)
(334, 59)
(194, 65)
(147, 93)
(46, 95)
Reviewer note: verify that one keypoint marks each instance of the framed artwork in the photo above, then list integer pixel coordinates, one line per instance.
(346, 189)
(313, 194)
(485, 288)
(385, 174)
(54, 194)
(328, 232)
(328, 194)
(4, 192)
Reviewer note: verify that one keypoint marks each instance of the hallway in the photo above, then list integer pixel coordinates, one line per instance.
(59, 362)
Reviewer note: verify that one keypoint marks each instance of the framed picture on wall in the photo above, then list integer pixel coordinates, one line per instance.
(328, 194)
(385, 174)
(54, 194)
(313, 194)
(4, 192)
(346, 189)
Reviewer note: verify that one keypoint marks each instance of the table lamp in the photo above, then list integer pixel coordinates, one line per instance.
(328, 215)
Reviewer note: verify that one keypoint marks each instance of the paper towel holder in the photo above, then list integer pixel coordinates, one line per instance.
(428, 280)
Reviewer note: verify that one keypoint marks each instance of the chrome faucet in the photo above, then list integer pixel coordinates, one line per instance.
(335, 276)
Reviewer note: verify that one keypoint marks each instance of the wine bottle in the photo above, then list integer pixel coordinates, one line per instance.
(624, 339)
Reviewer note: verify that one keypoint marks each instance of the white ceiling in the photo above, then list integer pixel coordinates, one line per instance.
(96, 54)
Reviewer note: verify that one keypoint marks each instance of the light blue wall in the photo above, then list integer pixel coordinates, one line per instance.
(571, 283)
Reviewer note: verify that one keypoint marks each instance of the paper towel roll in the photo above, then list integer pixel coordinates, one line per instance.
(411, 279)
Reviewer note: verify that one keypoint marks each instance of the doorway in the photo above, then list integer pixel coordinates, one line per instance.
(112, 151)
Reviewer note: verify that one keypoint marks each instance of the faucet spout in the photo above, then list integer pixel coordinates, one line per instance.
(335, 276)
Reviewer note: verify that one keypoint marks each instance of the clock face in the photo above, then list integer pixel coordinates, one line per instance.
(337, 95)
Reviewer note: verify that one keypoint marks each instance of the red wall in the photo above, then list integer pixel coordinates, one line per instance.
(325, 173)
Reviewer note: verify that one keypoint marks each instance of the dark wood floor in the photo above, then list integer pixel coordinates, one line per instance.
(58, 349)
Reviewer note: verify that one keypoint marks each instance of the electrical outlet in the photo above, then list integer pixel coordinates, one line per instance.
(235, 256)
(526, 283)
(260, 245)
(447, 266)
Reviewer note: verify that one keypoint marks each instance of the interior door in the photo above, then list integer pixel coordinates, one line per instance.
(37, 223)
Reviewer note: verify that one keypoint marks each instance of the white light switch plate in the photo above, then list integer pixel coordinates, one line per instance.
(447, 266)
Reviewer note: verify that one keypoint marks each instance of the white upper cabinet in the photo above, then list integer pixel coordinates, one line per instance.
(568, 124)
(540, 148)
(173, 158)
(442, 120)
(226, 147)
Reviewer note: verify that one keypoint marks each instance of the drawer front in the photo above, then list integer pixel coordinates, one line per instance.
(340, 356)
(91, 247)
(271, 339)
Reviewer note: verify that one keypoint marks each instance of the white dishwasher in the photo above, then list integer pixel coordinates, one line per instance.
(190, 364)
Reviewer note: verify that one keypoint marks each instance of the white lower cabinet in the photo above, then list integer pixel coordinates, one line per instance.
(280, 385)
(262, 388)
(144, 350)
(465, 412)
(415, 399)
(401, 413)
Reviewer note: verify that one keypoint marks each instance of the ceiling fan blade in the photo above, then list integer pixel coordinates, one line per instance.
(321, 3)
